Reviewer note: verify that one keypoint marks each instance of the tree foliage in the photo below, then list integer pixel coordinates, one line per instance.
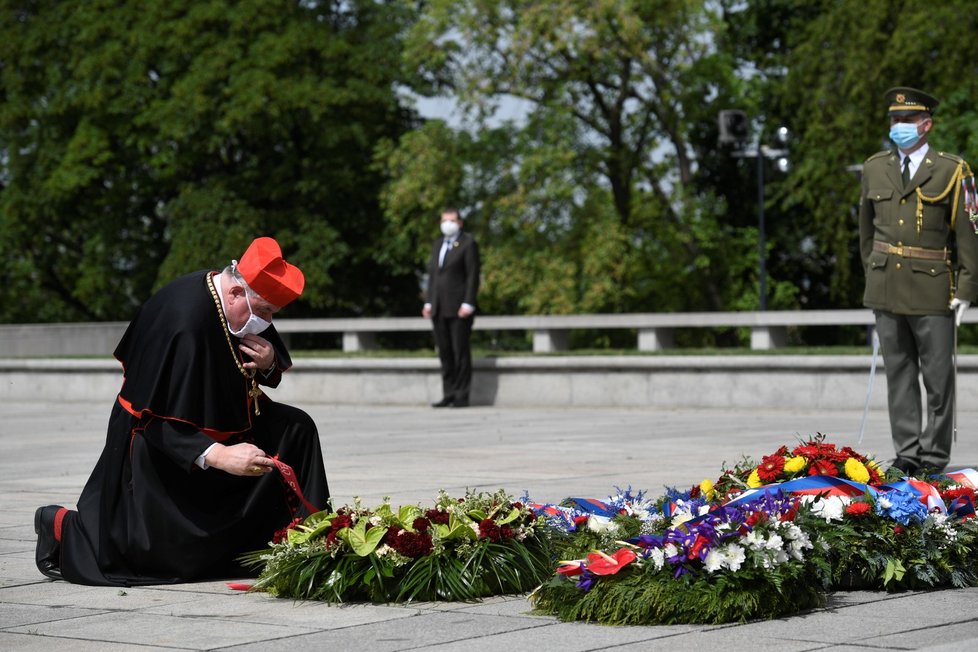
(603, 200)
(824, 67)
(142, 140)
(139, 140)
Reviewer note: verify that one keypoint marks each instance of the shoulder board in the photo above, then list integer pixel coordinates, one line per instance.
(885, 152)
(953, 157)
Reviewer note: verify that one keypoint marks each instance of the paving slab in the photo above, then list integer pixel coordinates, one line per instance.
(408, 454)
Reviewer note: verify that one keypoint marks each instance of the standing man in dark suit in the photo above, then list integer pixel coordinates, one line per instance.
(917, 206)
(453, 282)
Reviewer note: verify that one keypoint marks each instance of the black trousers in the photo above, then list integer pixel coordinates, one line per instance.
(452, 336)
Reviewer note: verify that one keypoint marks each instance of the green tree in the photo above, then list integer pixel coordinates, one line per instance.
(822, 68)
(606, 196)
(142, 140)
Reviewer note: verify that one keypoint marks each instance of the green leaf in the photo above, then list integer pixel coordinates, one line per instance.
(360, 539)
(407, 514)
(509, 518)
(894, 570)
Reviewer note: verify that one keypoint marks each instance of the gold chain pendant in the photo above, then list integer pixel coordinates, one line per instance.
(255, 391)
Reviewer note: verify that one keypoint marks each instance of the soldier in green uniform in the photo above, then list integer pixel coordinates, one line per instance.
(917, 211)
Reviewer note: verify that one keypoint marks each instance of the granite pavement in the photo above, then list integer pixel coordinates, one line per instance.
(48, 448)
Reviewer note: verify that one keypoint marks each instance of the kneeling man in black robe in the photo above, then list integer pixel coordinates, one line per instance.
(199, 465)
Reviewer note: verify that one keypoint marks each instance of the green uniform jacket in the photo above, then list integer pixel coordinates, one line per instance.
(888, 213)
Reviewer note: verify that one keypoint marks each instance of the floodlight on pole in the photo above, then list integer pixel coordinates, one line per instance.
(735, 129)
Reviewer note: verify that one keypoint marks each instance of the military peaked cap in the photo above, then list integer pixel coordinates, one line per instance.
(904, 100)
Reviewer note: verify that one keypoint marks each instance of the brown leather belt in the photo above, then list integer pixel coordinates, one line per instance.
(910, 252)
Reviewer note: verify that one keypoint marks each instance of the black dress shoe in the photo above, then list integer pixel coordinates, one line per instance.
(905, 466)
(48, 553)
(445, 402)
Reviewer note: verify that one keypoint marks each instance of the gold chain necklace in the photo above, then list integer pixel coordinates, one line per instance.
(255, 391)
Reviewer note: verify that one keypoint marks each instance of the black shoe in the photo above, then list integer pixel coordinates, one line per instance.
(904, 466)
(445, 402)
(48, 553)
(460, 404)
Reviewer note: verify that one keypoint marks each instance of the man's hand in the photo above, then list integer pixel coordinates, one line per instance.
(465, 310)
(426, 311)
(240, 459)
(958, 306)
(260, 351)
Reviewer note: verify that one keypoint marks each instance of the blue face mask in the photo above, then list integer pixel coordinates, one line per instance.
(904, 134)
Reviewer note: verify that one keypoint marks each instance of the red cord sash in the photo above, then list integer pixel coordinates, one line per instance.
(288, 476)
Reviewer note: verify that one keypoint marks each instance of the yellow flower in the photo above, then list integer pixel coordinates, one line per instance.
(795, 464)
(706, 488)
(754, 480)
(856, 470)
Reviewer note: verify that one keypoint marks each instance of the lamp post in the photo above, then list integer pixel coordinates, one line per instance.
(735, 130)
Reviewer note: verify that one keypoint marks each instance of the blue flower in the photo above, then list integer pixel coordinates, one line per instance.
(901, 506)
(586, 580)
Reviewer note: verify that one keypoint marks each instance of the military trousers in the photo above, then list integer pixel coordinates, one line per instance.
(915, 348)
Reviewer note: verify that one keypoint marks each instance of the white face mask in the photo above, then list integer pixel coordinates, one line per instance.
(450, 228)
(253, 326)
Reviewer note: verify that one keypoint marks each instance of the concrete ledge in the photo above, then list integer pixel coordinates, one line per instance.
(744, 381)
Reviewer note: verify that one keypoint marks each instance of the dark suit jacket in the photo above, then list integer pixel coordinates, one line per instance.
(457, 281)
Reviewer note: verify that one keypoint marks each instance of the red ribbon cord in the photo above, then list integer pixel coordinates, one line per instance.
(290, 480)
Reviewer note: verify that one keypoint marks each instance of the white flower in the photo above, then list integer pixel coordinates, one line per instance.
(884, 502)
(670, 550)
(713, 561)
(735, 556)
(775, 542)
(600, 524)
(829, 508)
(791, 531)
(658, 558)
(753, 540)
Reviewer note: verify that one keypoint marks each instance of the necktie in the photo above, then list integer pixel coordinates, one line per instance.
(906, 171)
(445, 246)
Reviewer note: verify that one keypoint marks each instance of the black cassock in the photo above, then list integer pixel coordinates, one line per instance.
(148, 514)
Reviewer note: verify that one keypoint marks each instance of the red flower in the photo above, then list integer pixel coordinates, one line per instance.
(437, 516)
(282, 534)
(391, 535)
(571, 568)
(421, 524)
(409, 544)
(489, 530)
(341, 521)
(755, 518)
(601, 563)
(580, 519)
(697, 550)
(694, 492)
(791, 513)
(949, 495)
(770, 468)
(506, 531)
(857, 509)
(822, 467)
(898, 529)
